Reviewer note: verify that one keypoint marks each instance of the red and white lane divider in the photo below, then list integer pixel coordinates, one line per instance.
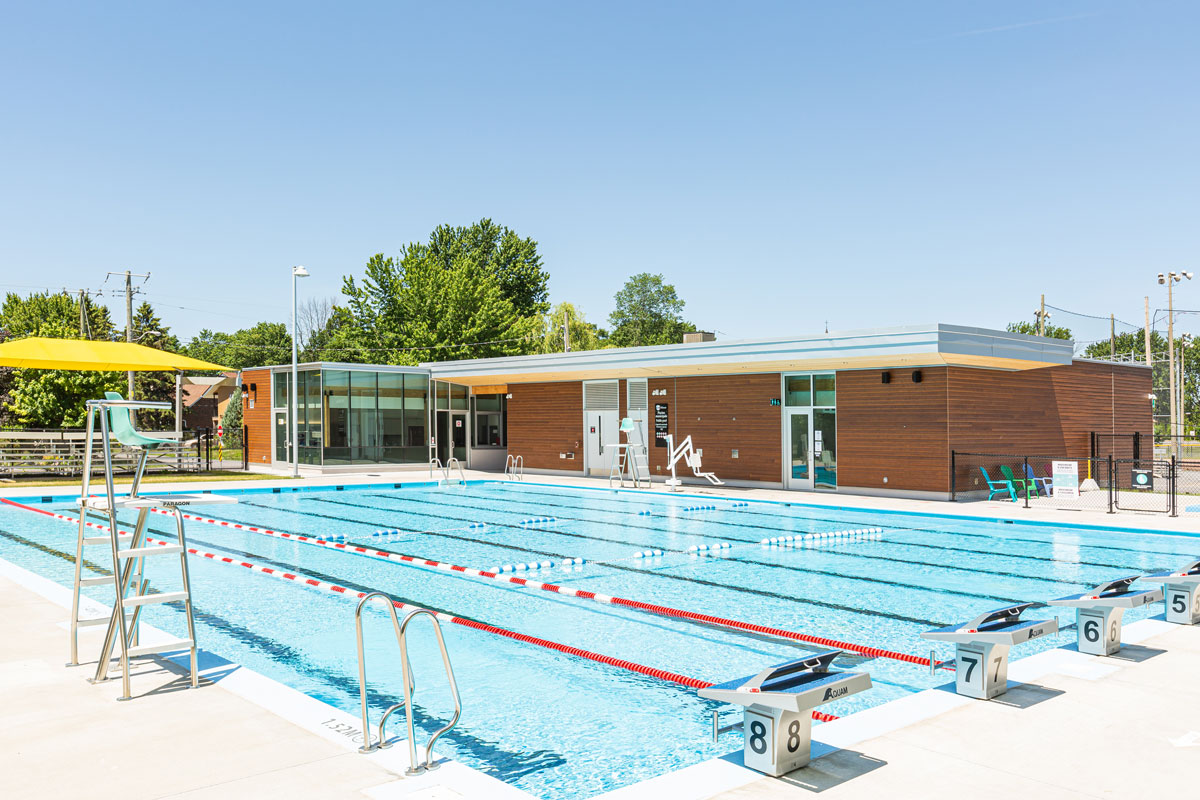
(583, 594)
(303, 580)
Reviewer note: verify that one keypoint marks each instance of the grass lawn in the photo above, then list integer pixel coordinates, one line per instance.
(162, 477)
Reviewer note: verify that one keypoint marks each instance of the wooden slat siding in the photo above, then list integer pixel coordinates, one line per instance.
(723, 413)
(258, 419)
(895, 430)
(1049, 411)
(545, 419)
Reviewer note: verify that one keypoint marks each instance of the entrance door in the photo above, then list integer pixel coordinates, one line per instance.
(600, 428)
(452, 432)
(282, 452)
(799, 464)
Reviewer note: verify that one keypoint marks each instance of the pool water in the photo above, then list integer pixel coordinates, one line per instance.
(551, 723)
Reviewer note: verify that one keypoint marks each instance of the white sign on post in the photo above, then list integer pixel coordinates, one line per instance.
(1066, 479)
(818, 443)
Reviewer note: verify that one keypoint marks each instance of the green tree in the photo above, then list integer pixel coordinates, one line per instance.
(149, 330)
(265, 344)
(1031, 329)
(232, 418)
(46, 398)
(584, 335)
(472, 292)
(647, 312)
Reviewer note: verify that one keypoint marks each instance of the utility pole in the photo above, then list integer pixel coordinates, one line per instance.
(129, 292)
(566, 333)
(82, 315)
(1149, 362)
(1112, 336)
(1042, 318)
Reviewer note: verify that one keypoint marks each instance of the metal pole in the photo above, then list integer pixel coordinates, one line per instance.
(129, 326)
(1111, 487)
(1174, 484)
(294, 445)
(1112, 336)
(1171, 429)
(1028, 481)
(179, 421)
(1149, 363)
(953, 478)
(1042, 318)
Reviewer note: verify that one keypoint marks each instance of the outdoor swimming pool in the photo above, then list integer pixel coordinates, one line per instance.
(555, 724)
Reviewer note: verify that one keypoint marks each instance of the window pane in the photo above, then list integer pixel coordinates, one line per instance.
(391, 410)
(823, 390)
(487, 402)
(416, 390)
(337, 416)
(443, 394)
(458, 397)
(825, 447)
(487, 430)
(364, 420)
(797, 390)
(279, 395)
(312, 413)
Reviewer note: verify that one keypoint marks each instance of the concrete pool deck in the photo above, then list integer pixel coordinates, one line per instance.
(1077, 726)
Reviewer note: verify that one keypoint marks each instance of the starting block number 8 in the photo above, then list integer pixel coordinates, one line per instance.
(776, 741)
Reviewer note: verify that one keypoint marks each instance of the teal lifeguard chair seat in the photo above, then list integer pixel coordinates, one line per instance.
(120, 426)
(626, 426)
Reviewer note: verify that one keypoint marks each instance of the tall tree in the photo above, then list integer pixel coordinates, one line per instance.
(46, 398)
(474, 291)
(647, 312)
(149, 330)
(265, 344)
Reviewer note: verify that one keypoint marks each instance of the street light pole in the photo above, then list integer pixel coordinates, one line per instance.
(1170, 279)
(293, 412)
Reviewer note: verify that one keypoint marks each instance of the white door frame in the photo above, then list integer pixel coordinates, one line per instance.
(790, 482)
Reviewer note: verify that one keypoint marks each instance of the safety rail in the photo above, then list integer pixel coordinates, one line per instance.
(452, 461)
(514, 468)
(409, 684)
(61, 453)
(435, 462)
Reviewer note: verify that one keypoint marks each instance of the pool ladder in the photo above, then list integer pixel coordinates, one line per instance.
(401, 628)
(514, 467)
(452, 461)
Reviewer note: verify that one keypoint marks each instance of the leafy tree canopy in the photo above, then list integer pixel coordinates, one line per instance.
(264, 344)
(584, 335)
(648, 312)
(149, 330)
(1031, 329)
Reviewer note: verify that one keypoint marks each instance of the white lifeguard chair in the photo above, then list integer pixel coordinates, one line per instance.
(631, 458)
(690, 456)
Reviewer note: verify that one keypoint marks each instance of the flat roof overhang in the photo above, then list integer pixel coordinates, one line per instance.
(882, 348)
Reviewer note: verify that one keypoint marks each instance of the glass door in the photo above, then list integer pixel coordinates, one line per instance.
(798, 465)
(824, 447)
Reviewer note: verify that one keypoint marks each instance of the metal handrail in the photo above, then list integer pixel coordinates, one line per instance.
(461, 475)
(434, 462)
(409, 684)
(511, 466)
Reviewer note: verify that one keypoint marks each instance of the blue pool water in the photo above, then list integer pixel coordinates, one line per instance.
(556, 725)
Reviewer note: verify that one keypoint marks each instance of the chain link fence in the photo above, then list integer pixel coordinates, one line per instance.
(1108, 484)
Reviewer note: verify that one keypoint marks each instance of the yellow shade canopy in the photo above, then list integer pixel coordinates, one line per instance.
(79, 354)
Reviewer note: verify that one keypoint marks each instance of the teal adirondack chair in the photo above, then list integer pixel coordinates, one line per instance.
(998, 487)
(121, 426)
(1027, 485)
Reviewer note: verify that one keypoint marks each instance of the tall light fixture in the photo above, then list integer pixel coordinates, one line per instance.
(293, 412)
(1170, 279)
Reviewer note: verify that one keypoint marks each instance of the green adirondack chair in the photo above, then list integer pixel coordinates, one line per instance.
(1027, 485)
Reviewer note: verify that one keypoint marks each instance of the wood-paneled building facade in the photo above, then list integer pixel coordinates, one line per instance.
(875, 411)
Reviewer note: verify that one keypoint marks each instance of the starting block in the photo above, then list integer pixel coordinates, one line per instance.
(779, 703)
(1098, 613)
(1181, 588)
(982, 644)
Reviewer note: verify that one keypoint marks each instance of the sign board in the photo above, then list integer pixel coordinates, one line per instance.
(1142, 479)
(1066, 479)
(818, 442)
(661, 424)
(775, 401)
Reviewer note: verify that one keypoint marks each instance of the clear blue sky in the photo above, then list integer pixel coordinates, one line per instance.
(782, 164)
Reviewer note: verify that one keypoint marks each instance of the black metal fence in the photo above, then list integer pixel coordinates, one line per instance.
(1109, 484)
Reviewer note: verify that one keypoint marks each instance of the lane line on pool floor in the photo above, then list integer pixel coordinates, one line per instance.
(583, 594)
(303, 580)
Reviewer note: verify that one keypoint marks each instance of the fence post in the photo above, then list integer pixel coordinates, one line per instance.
(1137, 447)
(1110, 484)
(199, 455)
(1174, 487)
(1028, 482)
(245, 448)
(953, 479)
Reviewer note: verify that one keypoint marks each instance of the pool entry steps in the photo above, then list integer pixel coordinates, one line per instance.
(409, 685)
(129, 551)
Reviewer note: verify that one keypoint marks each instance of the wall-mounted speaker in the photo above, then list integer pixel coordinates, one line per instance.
(916, 376)
(885, 377)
